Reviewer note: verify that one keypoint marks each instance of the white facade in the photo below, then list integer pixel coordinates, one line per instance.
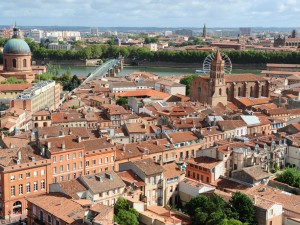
(293, 156)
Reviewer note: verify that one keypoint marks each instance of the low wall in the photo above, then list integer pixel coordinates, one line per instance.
(88, 62)
(282, 186)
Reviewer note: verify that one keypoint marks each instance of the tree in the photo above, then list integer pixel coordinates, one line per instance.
(124, 214)
(13, 80)
(122, 101)
(187, 81)
(243, 206)
(126, 218)
(290, 176)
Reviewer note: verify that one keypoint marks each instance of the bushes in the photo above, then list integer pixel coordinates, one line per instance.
(290, 176)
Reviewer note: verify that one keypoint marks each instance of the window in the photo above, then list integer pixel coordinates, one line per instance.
(112, 158)
(54, 170)
(100, 194)
(35, 173)
(35, 186)
(27, 175)
(74, 166)
(61, 158)
(94, 162)
(24, 63)
(27, 187)
(61, 168)
(68, 167)
(100, 160)
(107, 202)
(57, 222)
(171, 188)
(34, 210)
(54, 159)
(42, 172)
(20, 176)
(20, 189)
(55, 180)
(74, 155)
(154, 180)
(68, 156)
(106, 159)
(68, 177)
(87, 163)
(12, 178)
(42, 184)
(12, 190)
(14, 61)
(220, 91)
(80, 154)
(61, 178)
(149, 180)
(80, 164)
(49, 219)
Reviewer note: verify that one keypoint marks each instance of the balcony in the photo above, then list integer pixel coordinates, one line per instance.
(169, 159)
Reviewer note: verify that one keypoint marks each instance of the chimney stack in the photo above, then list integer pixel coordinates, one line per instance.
(48, 144)
(19, 155)
(78, 139)
(63, 145)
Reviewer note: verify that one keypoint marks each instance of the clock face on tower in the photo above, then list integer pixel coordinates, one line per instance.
(208, 60)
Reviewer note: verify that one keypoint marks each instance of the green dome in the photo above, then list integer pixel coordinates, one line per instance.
(16, 46)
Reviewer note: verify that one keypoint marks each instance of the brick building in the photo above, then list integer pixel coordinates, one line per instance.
(220, 88)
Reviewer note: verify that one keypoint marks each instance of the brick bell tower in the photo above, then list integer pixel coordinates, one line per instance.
(217, 84)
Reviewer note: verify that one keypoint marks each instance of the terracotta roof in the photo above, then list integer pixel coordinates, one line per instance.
(71, 188)
(69, 141)
(143, 93)
(172, 170)
(99, 144)
(289, 201)
(14, 87)
(42, 113)
(59, 206)
(65, 117)
(231, 124)
(130, 177)
(148, 166)
(55, 131)
(204, 161)
(278, 111)
(100, 182)
(256, 172)
(252, 101)
(182, 137)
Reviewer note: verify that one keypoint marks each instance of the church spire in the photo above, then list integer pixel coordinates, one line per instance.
(16, 31)
(204, 32)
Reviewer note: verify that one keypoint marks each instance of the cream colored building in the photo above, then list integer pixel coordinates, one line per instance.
(40, 96)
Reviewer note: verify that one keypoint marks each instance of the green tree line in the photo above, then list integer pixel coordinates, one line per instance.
(140, 53)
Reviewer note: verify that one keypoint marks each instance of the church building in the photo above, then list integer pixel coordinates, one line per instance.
(17, 59)
(220, 88)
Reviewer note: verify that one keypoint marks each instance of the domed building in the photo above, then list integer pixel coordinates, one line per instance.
(17, 59)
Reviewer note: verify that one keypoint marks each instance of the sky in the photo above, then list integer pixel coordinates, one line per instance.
(151, 13)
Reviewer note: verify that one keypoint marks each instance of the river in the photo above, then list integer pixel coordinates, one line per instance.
(162, 71)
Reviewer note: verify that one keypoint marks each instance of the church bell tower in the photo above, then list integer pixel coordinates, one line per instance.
(217, 83)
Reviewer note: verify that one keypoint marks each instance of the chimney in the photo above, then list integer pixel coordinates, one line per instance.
(70, 131)
(19, 155)
(43, 152)
(254, 200)
(61, 133)
(78, 139)
(63, 145)
(124, 148)
(48, 144)
(45, 136)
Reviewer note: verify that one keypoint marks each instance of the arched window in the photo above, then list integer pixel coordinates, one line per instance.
(14, 61)
(24, 63)
(220, 91)
(262, 90)
(239, 92)
(251, 91)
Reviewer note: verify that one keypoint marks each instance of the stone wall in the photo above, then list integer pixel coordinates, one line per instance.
(282, 186)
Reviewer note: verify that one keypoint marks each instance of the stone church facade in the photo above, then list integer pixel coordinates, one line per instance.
(220, 88)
